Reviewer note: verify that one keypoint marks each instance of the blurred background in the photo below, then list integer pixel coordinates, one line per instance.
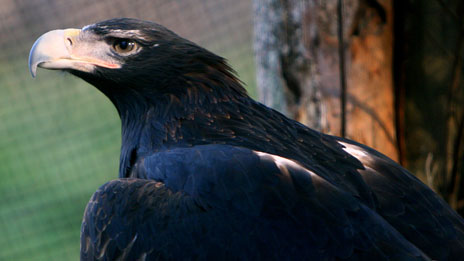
(397, 63)
(59, 136)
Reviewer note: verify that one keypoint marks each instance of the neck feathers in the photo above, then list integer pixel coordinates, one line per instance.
(176, 116)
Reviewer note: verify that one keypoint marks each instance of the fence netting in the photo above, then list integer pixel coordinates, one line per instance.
(59, 136)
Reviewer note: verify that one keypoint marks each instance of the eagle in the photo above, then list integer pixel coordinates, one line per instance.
(206, 172)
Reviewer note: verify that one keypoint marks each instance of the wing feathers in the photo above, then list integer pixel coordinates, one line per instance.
(250, 205)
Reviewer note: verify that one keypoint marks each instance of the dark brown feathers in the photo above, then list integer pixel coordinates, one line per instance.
(208, 173)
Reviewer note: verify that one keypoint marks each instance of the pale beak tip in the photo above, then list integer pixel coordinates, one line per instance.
(32, 61)
(33, 70)
(48, 47)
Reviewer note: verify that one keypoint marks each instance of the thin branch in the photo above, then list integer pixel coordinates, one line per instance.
(341, 54)
(399, 59)
(455, 70)
(454, 181)
(455, 177)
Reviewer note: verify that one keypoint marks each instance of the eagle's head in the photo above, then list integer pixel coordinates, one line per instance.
(129, 58)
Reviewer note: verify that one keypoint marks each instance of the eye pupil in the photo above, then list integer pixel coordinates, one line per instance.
(123, 46)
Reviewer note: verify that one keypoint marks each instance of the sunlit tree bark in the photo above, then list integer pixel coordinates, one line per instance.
(297, 56)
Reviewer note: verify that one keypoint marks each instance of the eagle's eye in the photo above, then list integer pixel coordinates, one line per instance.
(123, 46)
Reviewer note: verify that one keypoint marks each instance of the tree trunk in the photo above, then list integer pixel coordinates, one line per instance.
(285, 66)
(298, 68)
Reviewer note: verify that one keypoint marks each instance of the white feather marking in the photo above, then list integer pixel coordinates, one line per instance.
(87, 27)
(356, 151)
(125, 32)
(284, 164)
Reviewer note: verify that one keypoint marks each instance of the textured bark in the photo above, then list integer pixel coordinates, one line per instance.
(268, 41)
(297, 57)
(371, 94)
(285, 65)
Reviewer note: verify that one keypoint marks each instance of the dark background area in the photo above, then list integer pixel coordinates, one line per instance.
(430, 88)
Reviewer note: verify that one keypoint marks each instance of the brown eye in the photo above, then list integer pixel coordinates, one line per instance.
(123, 46)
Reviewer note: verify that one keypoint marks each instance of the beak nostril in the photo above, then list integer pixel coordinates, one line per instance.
(69, 40)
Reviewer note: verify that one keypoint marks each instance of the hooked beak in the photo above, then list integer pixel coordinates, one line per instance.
(59, 50)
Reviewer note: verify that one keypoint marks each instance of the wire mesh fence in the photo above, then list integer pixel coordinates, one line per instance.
(60, 137)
